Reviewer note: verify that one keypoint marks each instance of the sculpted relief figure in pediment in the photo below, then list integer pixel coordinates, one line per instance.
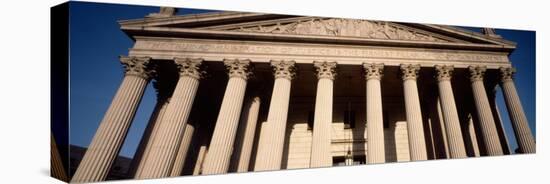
(345, 28)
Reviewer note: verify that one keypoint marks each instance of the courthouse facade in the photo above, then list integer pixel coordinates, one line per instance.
(240, 92)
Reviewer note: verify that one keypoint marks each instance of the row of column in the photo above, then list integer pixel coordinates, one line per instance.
(169, 139)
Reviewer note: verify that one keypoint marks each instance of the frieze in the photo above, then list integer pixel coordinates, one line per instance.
(300, 50)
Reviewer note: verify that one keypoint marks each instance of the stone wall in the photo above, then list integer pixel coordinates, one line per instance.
(299, 136)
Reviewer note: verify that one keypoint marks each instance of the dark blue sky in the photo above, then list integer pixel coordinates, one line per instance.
(96, 41)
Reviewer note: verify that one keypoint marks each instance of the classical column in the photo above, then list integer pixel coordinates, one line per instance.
(473, 136)
(442, 128)
(146, 141)
(182, 150)
(262, 136)
(321, 153)
(245, 135)
(107, 141)
(526, 141)
(272, 153)
(417, 144)
(147, 144)
(450, 114)
(219, 153)
(375, 123)
(163, 152)
(57, 170)
(200, 158)
(498, 121)
(486, 119)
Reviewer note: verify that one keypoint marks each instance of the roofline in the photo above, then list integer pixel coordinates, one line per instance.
(212, 18)
(188, 16)
(466, 33)
(215, 34)
(201, 19)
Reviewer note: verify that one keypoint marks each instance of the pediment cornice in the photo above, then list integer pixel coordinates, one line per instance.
(266, 27)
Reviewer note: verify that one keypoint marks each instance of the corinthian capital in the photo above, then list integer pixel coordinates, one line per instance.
(409, 71)
(325, 69)
(477, 73)
(507, 73)
(284, 69)
(137, 66)
(190, 67)
(444, 72)
(238, 68)
(373, 70)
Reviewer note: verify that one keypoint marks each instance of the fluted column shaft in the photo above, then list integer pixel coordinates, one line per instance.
(473, 136)
(260, 153)
(150, 131)
(450, 114)
(500, 126)
(57, 170)
(200, 159)
(164, 148)
(486, 119)
(219, 153)
(443, 129)
(524, 137)
(245, 136)
(417, 144)
(145, 147)
(107, 141)
(321, 152)
(271, 156)
(375, 123)
(182, 150)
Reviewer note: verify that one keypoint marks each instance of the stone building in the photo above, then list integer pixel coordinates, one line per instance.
(240, 92)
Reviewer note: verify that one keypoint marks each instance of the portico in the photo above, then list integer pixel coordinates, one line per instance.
(242, 92)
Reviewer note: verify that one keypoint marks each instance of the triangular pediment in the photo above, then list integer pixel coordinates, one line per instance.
(341, 30)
